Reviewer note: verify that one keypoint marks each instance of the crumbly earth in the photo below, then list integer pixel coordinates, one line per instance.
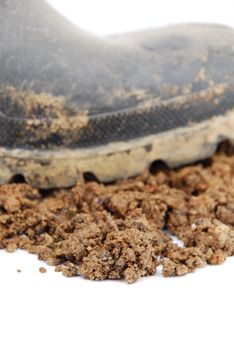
(124, 230)
(42, 270)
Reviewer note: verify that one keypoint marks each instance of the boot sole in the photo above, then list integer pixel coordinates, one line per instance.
(62, 168)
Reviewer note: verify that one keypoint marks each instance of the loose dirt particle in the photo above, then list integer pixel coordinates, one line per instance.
(42, 270)
(11, 247)
(120, 231)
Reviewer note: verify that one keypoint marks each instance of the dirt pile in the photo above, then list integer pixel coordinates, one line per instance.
(122, 230)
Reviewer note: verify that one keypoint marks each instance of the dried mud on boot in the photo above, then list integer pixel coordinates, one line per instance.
(120, 231)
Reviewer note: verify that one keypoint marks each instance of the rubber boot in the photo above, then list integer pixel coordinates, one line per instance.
(72, 103)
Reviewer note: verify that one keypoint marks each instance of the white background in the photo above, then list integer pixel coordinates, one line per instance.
(112, 16)
(48, 311)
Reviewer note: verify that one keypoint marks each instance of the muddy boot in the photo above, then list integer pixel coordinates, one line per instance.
(73, 103)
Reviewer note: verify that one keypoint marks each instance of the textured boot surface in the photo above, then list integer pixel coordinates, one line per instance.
(82, 101)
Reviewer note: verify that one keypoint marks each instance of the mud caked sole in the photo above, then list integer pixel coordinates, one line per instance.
(63, 167)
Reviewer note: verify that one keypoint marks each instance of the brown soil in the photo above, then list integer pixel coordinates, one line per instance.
(42, 270)
(121, 231)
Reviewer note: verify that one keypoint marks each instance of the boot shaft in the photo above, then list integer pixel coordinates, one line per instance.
(41, 50)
